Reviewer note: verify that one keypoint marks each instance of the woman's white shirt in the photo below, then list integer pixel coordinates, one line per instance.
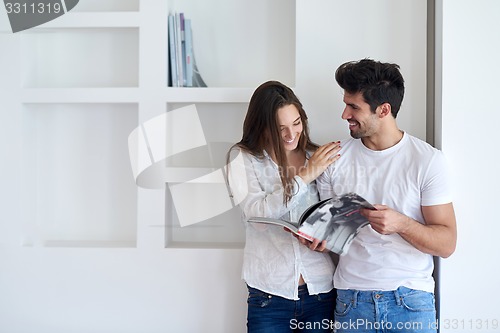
(273, 258)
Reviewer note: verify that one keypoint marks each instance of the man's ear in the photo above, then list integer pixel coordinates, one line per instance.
(385, 110)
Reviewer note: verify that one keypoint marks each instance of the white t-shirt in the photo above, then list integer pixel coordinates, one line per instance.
(273, 258)
(404, 177)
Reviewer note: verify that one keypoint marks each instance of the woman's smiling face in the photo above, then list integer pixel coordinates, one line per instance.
(290, 125)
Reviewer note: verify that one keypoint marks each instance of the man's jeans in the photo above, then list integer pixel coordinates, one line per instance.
(401, 310)
(269, 313)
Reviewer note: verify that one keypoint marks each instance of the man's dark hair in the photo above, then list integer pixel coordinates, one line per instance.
(378, 82)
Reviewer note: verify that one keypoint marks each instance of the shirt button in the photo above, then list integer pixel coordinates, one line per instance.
(377, 296)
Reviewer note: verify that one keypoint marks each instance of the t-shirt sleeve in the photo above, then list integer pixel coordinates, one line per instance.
(324, 184)
(437, 188)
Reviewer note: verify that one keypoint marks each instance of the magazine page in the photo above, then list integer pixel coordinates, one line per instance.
(337, 221)
(289, 225)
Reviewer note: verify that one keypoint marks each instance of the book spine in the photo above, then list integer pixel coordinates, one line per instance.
(183, 48)
(172, 51)
(178, 45)
(189, 53)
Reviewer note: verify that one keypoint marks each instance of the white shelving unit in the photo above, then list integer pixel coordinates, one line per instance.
(102, 69)
(79, 97)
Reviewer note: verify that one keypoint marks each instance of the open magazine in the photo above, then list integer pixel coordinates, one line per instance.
(336, 220)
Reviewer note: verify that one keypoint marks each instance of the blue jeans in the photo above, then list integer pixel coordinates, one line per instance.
(402, 310)
(273, 314)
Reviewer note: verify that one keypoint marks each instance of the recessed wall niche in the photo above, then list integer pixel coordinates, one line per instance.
(77, 179)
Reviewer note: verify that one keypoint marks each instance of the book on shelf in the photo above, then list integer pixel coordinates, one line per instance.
(182, 64)
(336, 220)
(172, 53)
(189, 52)
(178, 46)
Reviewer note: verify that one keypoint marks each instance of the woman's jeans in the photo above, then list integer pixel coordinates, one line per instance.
(269, 313)
(402, 310)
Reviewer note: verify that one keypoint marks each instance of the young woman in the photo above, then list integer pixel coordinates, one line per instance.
(271, 174)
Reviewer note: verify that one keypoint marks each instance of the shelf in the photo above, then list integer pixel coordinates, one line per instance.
(89, 244)
(80, 95)
(207, 245)
(208, 95)
(107, 5)
(134, 95)
(93, 20)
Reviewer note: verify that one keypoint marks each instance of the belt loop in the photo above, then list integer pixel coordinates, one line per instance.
(355, 298)
(397, 296)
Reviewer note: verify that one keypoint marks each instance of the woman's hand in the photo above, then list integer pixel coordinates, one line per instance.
(315, 245)
(319, 161)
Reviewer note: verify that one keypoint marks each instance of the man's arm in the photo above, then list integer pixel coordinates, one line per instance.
(438, 236)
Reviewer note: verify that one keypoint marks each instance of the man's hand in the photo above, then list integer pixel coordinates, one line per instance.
(437, 235)
(385, 220)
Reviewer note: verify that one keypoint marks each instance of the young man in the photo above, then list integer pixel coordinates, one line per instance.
(385, 282)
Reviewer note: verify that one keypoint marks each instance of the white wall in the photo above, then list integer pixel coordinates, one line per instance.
(330, 33)
(470, 118)
(120, 290)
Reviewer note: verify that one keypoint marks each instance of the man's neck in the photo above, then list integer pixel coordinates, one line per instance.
(383, 139)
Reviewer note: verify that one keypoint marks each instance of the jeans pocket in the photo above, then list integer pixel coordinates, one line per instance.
(257, 298)
(419, 301)
(342, 307)
(328, 297)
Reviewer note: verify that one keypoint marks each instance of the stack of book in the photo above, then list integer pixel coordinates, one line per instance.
(183, 71)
